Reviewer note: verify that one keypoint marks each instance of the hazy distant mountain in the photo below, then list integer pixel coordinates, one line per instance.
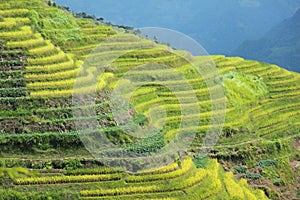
(281, 45)
(220, 26)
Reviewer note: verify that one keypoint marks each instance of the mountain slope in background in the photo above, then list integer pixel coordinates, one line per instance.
(220, 26)
(281, 45)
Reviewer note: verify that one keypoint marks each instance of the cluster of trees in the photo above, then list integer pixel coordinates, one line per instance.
(97, 20)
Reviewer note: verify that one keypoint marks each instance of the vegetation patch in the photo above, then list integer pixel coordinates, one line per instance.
(244, 88)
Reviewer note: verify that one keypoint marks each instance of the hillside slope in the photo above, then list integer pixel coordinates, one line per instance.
(220, 32)
(42, 50)
(281, 45)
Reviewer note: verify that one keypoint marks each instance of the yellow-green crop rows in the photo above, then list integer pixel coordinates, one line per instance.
(37, 76)
(182, 182)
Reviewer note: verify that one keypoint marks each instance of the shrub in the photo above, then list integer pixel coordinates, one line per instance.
(278, 182)
(201, 161)
(254, 176)
(266, 163)
(240, 169)
(73, 164)
(140, 119)
(27, 141)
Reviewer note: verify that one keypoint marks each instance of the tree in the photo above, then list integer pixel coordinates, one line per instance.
(100, 19)
(155, 39)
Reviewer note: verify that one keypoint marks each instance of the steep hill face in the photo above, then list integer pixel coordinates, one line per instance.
(42, 51)
(281, 45)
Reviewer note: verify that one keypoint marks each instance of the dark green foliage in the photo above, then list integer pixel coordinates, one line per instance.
(55, 164)
(84, 15)
(140, 119)
(13, 74)
(13, 92)
(73, 164)
(201, 161)
(266, 163)
(229, 132)
(278, 182)
(12, 81)
(240, 169)
(10, 194)
(10, 55)
(147, 145)
(253, 176)
(26, 142)
(10, 63)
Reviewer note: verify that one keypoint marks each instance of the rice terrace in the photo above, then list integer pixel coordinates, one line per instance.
(157, 122)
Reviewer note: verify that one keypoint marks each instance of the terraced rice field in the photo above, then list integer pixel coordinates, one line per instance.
(37, 130)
